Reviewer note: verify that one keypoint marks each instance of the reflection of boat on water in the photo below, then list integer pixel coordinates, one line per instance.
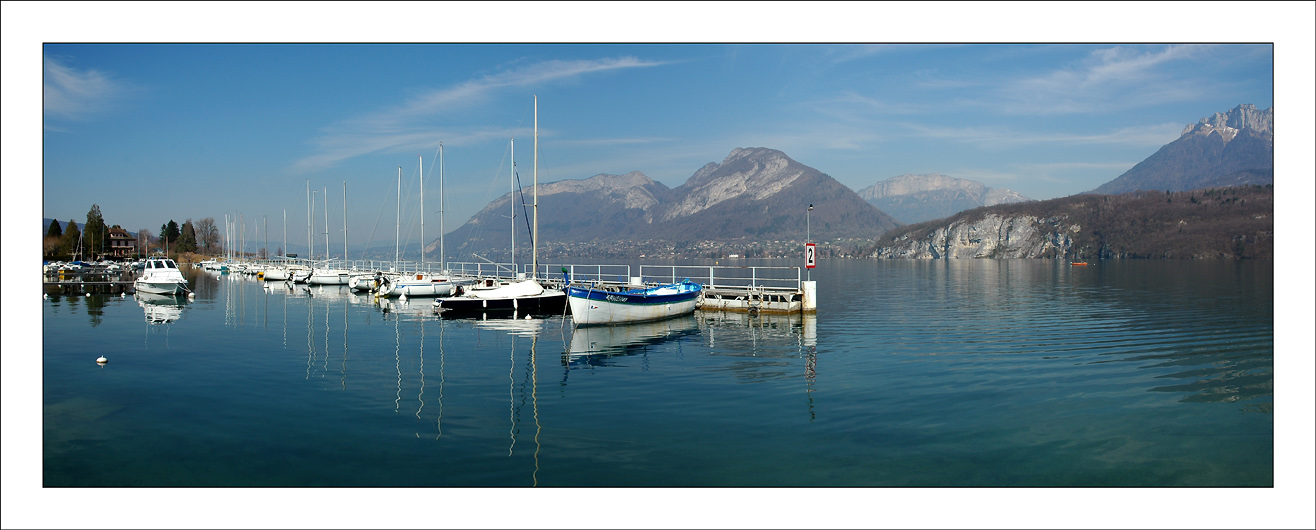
(593, 305)
(598, 342)
(514, 326)
(160, 308)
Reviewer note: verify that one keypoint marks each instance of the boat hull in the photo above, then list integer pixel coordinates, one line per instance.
(277, 275)
(363, 283)
(550, 302)
(329, 278)
(424, 286)
(160, 287)
(591, 307)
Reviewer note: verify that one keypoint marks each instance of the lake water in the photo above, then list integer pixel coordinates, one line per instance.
(912, 374)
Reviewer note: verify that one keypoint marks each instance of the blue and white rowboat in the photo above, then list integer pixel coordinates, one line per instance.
(593, 306)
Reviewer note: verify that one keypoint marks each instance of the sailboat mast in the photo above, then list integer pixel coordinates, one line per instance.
(443, 196)
(397, 234)
(344, 220)
(512, 203)
(310, 241)
(326, 225)
(534, 236)
(284, 251)
(421, 161)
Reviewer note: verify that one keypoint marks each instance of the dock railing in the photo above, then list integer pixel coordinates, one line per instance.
(581, 273)
(714, 277)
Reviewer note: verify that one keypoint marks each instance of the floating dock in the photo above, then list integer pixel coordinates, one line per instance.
(94, 281)
(749, 288)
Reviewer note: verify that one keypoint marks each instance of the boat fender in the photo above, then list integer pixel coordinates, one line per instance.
(102, 360)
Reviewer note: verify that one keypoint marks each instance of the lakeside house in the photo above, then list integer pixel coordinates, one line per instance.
(122, 244)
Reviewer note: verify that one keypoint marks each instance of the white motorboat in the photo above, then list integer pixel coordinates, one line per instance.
(277, 274)
(364, 281)
(329, 277)
(418, 284)
(161, 276)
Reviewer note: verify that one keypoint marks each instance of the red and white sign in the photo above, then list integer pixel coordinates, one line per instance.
(810, 255)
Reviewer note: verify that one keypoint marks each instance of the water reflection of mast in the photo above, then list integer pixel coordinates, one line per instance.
(343, 371)
(534, 399)
(397, 360)
(420, 396)
(325, 367)
(310, 335)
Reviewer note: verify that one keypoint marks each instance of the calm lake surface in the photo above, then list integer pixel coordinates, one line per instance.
(912, 373)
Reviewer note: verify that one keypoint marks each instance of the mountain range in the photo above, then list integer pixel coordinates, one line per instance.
(918, 198)
(1208, 194)
(753, 194)
(1233, 148)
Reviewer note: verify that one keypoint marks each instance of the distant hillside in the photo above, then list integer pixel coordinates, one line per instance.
(918, 198)
(1235, 222)
(754, 194)
(1226, 149)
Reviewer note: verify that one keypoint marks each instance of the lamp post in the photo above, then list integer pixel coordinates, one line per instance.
(808, 237)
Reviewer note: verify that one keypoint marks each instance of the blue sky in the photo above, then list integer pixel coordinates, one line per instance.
(243, 129)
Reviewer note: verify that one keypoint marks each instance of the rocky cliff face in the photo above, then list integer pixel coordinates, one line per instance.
(918, 198)
(1233, 223)
(989, 236)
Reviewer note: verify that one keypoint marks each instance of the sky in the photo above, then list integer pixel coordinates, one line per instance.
(154, 132)
(158, 132)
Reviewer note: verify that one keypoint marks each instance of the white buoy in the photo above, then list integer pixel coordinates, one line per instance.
(102, 360)
(191, 295)
(44, 296)
(527, 317)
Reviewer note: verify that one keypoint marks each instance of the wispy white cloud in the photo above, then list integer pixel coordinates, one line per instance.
(1001, 137)
(406, 127)
(1107, 79)
(72, 94)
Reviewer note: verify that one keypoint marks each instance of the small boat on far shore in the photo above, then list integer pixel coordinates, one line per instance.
(1078, 263)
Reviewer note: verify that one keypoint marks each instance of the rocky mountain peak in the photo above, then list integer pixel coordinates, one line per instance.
(918, 198)
(908, 184)
(753, 172)
(1229, 124)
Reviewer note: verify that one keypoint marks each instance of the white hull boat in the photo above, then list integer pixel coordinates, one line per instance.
(597, 306)
(413, 285)
(161, 276)
(277, 274)
(329, 277)
(364, 282)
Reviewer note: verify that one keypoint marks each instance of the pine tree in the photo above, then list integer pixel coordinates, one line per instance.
(55, 230)
(187, 238)
(94, 232)
(69, 242)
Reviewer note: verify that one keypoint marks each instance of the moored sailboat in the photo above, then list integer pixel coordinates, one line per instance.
(527, 296)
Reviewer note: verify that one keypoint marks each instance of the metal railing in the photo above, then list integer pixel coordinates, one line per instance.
(725, 277)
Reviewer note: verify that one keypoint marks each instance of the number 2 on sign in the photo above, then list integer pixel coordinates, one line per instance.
(810, 256)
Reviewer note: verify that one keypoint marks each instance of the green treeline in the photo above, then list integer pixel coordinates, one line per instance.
(99, 240)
